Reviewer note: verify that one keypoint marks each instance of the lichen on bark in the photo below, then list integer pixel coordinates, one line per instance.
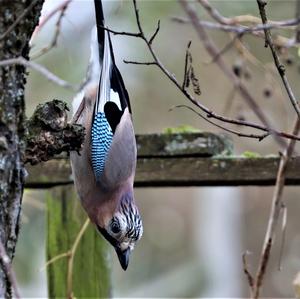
(15, 34)
(50, 134)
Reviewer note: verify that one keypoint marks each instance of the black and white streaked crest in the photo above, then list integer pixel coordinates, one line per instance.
(132, 219)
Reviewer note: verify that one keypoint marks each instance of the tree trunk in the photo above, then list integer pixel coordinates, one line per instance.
(17, 22)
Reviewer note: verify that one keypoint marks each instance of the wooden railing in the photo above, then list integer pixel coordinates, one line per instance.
(201, 159)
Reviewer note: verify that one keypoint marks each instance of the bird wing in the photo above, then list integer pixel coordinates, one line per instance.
(121, 158)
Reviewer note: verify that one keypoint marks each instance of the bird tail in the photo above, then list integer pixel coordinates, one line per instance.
(100, 26)
(106, 58)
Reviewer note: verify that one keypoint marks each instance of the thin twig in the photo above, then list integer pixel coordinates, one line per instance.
(275, 213)
(140, 62)
(277, 201)
(122, 32)
(260, 137)
(209, 113)
(280, 67)
(7, 268)
(155, 33)
(283, 234)
(217, 16)
(241, 88)
(241, 29)
(71, 259)
(45, 19)
(39, 68)
(62, 8)
(297, 38)
(247, 272)
(54, 259)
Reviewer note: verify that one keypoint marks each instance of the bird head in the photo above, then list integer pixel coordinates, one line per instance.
(123, 228)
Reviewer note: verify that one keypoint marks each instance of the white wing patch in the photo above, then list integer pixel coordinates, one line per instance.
(114, 97)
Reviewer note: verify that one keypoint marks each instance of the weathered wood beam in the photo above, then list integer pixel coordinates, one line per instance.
(177, 160)
(180, 172)
(227, 171)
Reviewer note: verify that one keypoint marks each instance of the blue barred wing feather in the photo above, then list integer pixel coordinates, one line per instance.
(102, 136)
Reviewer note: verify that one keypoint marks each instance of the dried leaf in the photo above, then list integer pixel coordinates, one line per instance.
(195, 82)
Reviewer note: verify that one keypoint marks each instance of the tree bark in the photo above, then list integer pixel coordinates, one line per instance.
(17, 22)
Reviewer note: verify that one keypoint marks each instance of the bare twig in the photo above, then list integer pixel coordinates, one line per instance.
(283, 233)
(46, 18)
(247, 272)
(7, 268)
(297, 38)
(71, 259)
(62, 8)
(140, 62)
(277, 202)
(241, 29)
(40, 69)
(217, 16)
(155, 33)
(280, 67)
(209, 113)
(122, 32)
(54, 259)
(275, 213)
(260, 137)
(70, 255)
(241, 88)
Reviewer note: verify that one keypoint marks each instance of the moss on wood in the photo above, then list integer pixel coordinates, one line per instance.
(91, 273)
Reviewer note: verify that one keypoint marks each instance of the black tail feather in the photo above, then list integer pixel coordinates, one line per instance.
(117, 83)
(100, 24)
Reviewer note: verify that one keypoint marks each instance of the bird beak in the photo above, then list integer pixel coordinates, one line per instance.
(123, 257)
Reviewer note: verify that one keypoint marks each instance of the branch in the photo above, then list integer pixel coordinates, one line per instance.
(71, 259)
(50, 134)
(241, 29)
(140, 62)
(155, 33)
(62, 8)
(275, 213)
(40, 69)
(122, 32)
(297, 39)
(247, 272)
(280, 67)
(46, 18)
(260, 137)
(209, 113)
(241, 88)
(277, 201)
(217, 16)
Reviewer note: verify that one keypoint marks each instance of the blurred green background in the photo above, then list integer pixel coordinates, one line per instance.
(194, 238)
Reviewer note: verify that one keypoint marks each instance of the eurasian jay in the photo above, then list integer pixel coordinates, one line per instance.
(105, 168)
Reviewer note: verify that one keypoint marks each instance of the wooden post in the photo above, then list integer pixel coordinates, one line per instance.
(90, 277)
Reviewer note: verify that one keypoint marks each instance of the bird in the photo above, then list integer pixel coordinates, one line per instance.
(104, 169)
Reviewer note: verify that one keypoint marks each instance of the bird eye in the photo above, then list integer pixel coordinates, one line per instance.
(115, 227)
